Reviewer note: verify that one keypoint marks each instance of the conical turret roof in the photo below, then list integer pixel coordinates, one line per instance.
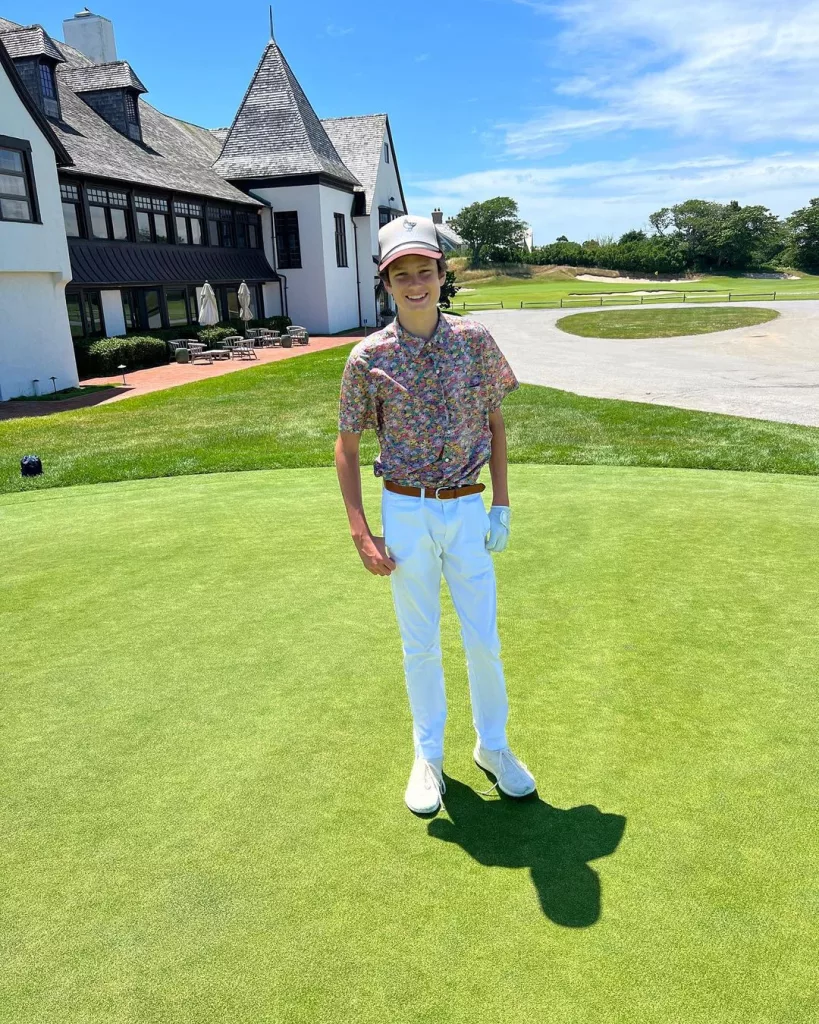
(276, 131)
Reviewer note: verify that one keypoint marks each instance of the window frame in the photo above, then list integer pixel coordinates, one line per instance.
(386, 152)
(341, 240)
(84, 295)
(107, 206)
(23, 147)
(287, 257)
(67, 200)
(150, 205)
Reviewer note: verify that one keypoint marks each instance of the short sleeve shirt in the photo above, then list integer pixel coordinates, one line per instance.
(428, 400)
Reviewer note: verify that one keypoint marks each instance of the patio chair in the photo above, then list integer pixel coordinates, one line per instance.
(299, 335)
(242, 348)
(174, 345)
(197, 351)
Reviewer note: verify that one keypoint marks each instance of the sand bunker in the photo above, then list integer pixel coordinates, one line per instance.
(608, 295)
(630, 280)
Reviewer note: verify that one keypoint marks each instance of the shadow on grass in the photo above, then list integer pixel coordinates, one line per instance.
(555, 845)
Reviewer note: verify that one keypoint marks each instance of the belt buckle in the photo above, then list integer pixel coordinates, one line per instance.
(441, 489)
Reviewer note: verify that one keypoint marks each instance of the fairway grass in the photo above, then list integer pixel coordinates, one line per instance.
(206, 740)
(285, 416)
(512, 290)
(662, 323)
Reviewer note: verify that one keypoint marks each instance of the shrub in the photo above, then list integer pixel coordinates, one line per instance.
(213, 335)
(102, 358)
(448, 290)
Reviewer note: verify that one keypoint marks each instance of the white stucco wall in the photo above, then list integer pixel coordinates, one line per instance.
(340, 282)
(306, 295)
(32, 306)
(321, 296)
(367, 270)
(112, 313)
(35, 339)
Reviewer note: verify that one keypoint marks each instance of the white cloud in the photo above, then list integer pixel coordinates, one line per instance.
(599, 197)
(736, 69)
(337, 30)
(422, 57)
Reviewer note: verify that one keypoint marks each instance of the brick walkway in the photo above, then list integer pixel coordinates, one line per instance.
(158, 378)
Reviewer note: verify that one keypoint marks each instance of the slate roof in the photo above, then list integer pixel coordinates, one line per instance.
(276, 131)
(358, 141)
(174, 155)
(116, 74)
(28, 41)
(221, 134)
(132, 264)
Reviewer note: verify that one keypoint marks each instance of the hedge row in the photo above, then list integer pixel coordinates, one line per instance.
(103, 357)
(137, 351)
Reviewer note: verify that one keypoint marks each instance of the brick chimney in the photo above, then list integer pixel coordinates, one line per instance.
(437, 216)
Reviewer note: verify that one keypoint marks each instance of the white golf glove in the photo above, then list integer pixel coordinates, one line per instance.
(499, 516)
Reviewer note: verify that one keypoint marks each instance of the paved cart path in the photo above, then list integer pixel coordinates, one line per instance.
(769, 371)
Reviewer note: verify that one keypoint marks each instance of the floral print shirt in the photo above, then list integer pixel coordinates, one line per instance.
(427, 400)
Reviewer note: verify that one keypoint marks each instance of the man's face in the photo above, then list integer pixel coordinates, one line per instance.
(415, 283)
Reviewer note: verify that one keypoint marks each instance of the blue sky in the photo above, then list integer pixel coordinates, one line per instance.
(590, 113)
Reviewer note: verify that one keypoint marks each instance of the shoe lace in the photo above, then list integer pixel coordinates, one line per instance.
(506, 753)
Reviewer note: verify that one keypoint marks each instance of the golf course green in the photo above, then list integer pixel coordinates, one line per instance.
(663, 323)
(205, 741)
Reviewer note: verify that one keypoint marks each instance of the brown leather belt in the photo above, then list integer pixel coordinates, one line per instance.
(435, 492)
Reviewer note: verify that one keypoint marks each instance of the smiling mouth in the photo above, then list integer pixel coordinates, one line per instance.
(417, 298)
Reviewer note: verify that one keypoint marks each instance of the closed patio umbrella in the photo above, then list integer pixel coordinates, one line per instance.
(245, 312)
(208, 310)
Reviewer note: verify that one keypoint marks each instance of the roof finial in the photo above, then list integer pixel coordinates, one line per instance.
(270, 9)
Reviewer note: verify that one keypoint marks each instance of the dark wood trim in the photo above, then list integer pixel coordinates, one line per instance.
(293, 179)
(23, 147)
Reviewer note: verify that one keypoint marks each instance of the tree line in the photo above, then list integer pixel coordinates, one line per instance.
(696, 235)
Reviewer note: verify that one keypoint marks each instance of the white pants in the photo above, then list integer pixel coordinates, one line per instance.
(425, 537)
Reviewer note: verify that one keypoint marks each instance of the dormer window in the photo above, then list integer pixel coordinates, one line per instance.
(132, 117)
(48, 88)
(111, 90)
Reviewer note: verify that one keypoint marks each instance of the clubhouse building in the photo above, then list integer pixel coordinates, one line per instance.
(152, 206)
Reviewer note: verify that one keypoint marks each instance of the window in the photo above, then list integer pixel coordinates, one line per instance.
(176, 300)
(107, 208)
(188, 222)
(70, 195)
(151, 218)
(231, 303)
(220, 226)
(48, 91)
(85, 314)
(248, 234)
(132, 117)
(130, 309)
(386, 153)
(287, 240)
(47, 82)
(341, 240)
(153, 307)
(384, 216)
(17, 196)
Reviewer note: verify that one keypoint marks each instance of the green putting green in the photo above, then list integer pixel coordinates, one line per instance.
(663, 323)
(206, 740)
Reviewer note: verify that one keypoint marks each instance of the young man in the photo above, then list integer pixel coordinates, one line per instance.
(431, 386)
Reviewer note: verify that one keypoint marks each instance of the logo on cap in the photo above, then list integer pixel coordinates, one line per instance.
(409, 224)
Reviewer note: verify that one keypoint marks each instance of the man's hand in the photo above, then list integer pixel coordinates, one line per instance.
(499, 516)
(374, 555)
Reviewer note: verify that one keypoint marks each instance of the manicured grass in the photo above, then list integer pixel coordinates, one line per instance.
(662, 323)
(514, 290)
(206, 740)
(284, 415)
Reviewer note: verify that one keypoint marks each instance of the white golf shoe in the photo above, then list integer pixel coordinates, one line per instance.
(512, 776)
(425, 786)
